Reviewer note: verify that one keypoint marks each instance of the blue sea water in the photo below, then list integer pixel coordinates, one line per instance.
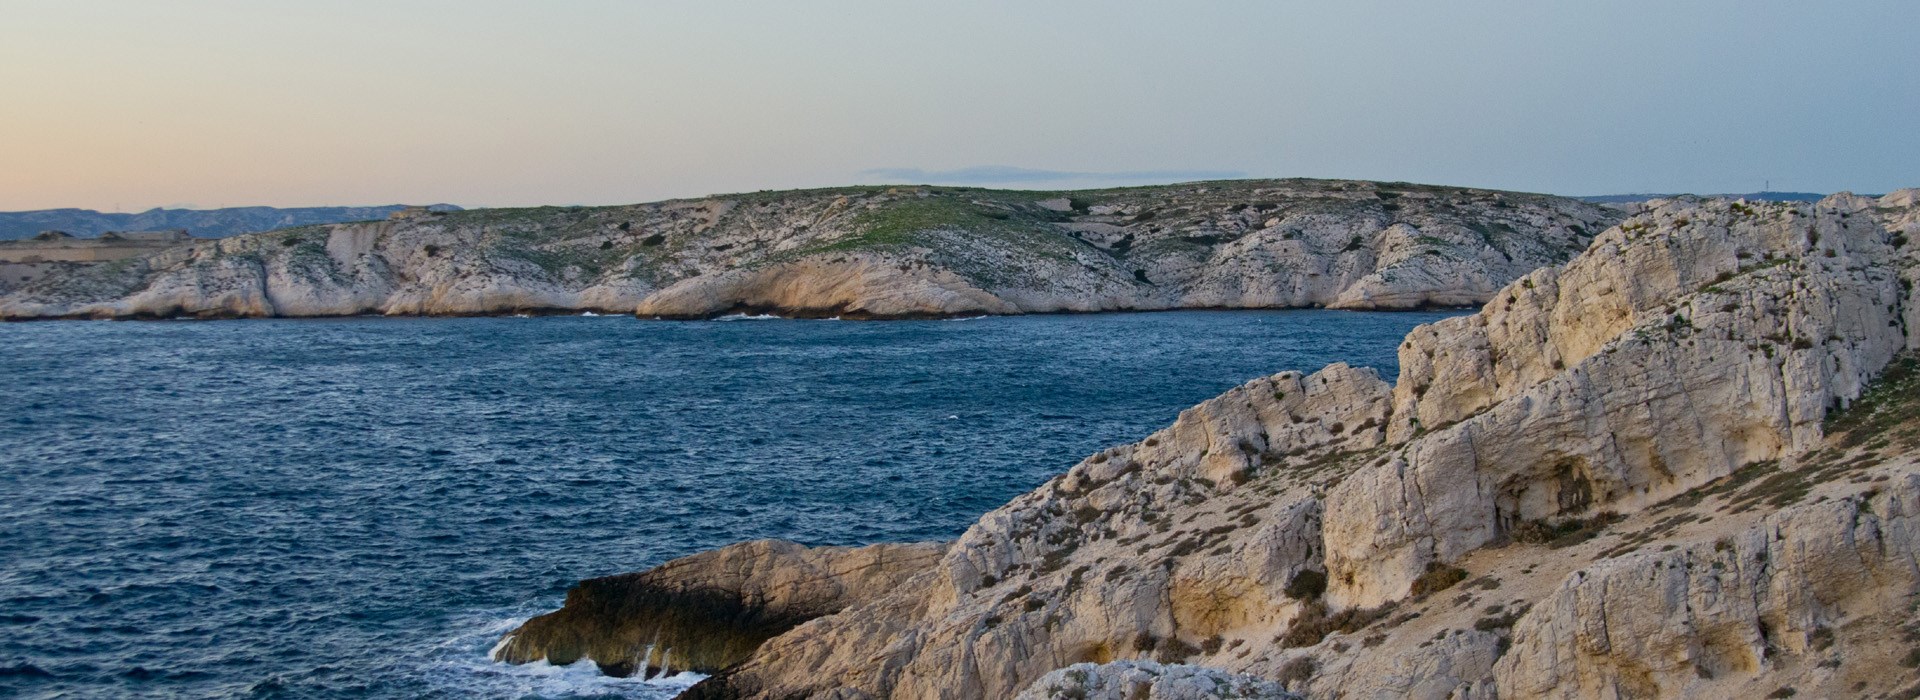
(361, 507)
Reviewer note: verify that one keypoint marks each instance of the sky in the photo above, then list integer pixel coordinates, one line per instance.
(122, 105)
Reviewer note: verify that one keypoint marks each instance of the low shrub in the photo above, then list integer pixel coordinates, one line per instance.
(1296, 672)
(1439, 577)
(1314, 623)
(1307, 585)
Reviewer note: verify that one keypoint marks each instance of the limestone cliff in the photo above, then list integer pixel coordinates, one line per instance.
(1682, 464)
(878, 252)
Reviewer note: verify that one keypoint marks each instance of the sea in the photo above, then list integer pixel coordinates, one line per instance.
(362, 507)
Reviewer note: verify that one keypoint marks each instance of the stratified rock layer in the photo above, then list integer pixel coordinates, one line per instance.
(1622, 478)
(710, 610)
(877, 252)
(1695, 339)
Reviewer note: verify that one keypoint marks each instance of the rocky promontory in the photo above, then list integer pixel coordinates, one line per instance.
(865, 252)
(709, 611)
(1684, 464)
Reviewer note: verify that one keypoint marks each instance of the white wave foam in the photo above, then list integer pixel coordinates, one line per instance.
(494, 653)
(748, 317)
(466, 668)
(580, 678)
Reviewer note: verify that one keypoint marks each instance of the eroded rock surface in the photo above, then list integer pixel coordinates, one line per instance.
(1694, 339)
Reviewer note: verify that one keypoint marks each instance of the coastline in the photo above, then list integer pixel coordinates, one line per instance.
(1630, 427)
(883, 253)
(782, 314)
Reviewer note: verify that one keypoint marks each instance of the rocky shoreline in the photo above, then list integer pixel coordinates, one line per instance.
(862, 253)
(1684, 463)
(756, 312)
(710, 610)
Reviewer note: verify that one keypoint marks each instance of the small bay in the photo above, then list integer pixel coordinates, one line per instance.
(360, 507)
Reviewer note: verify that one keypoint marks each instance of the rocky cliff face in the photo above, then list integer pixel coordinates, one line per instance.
(1697, 338)
(1682, 464)
(1816, 598)
(709, 611)
(898, 252)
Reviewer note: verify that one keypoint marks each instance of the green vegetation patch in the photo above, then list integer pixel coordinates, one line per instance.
(1314, 623)
(305, 251)
(91, 282)
(1891, 402)
(1563, 533)
(1493, 233)
(899, 224)
(1438, 577)
(555, 239)
(956, 230)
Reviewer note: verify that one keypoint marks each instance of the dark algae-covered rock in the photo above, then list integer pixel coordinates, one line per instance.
(710, 610)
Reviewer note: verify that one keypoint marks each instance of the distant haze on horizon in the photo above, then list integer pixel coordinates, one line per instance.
(125, 105)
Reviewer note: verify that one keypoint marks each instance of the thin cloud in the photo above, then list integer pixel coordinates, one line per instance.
(1009, 175)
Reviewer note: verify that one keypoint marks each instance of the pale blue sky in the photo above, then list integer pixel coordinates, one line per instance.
(136, 103)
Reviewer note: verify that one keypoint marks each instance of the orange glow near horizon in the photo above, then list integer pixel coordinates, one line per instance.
(115, 104)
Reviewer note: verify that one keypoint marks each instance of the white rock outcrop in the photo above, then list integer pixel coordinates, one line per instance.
(1146, 680)
(1696, 338)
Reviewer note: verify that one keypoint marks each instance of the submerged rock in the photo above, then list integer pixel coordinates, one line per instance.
(710, 610)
